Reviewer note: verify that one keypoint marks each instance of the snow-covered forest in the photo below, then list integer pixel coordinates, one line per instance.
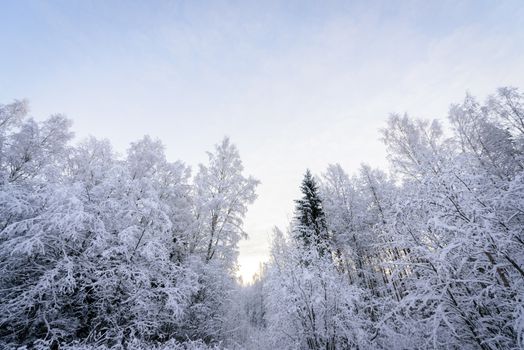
(100, 250)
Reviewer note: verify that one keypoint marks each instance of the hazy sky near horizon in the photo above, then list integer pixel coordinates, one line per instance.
(295, 84)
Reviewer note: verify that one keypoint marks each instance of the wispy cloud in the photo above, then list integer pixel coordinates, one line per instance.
(295, 84)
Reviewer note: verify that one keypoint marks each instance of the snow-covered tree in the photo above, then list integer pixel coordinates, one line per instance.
(221, 197)
(433, 250)
(222, 194)
(96, 249)
(102, 251)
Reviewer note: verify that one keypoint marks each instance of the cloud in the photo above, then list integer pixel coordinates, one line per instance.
(295, 84)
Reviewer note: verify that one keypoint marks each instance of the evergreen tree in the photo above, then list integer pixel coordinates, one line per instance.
(311, 226)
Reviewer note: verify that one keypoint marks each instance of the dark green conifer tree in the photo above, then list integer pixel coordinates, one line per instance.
(310, 227)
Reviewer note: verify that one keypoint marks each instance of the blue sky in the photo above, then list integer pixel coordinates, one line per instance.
(295, 84)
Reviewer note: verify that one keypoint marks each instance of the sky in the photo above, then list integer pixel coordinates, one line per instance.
(294, 84)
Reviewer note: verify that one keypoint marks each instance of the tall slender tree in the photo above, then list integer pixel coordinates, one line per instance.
(311, 227)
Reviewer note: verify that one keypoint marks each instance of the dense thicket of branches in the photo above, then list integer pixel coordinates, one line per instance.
(429, 256)
(132, 252)
(114, 251)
